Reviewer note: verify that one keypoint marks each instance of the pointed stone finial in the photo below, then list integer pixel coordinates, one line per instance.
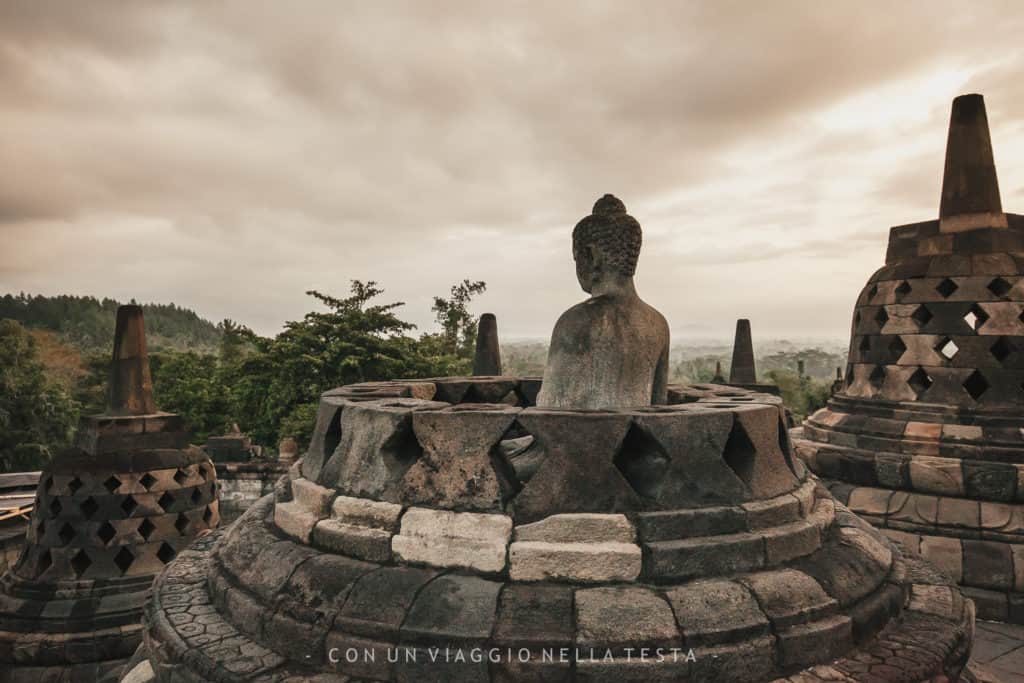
(131, 387)
(487, 359)
(742, 370)
(970, 190)
(718, 378)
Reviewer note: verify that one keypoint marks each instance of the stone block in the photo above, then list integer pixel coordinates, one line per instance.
(365, 512)
(670, 525)
(869, 501)
(936, 475)
(615, 616)
(364, 543)
(633, 668)
(909, 544)
(535, 616)
(819, 641)
(790, 541)
(358, 657)
(752, 660)
(453, 539)
(581, 562)
(379, 601)
(315, 498)
(988, 564)
(295, 520)
(325, 437)
(578, 528)
(990, 481)
(708, 556)
(715, 611)
(1017, 554)
(323, 582)
(773, 512)
(892, 471)
(944, 553)
(790, 597)
(273, 564)
(456, 470)
(958, 513)
(990, 605)
(912, 508)
(453, 607)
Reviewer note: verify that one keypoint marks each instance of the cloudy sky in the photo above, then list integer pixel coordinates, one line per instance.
(229, 156)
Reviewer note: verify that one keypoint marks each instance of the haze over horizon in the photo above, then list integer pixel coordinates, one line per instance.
(229, 157)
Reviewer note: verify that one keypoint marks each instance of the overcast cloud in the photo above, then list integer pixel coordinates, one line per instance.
(230, 156)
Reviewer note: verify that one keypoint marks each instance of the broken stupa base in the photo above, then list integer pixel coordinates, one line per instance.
(422, 538)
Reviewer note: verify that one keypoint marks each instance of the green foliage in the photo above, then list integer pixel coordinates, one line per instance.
(801, 395)
(192, 385)
(36, 415)
(299, 424)
(458, 327)
(88, 322)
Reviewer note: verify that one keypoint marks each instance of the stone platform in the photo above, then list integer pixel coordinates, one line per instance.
(670, 543)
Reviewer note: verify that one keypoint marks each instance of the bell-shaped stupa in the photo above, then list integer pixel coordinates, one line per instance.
(109, 514)
(925, 438)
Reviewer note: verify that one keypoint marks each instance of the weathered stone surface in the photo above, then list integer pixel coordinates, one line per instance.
(578, 528)
(131, 387)
(789, 597)
(610, 351)
(819, 641)
(369, 513)
(379, 601)
(611, 617)
(453, 607)
(314, 498)
(326, 436)
(765, 514)
(322, 583)
(376, 448)
(535, 616)
(714, 611)
(364, 543)
(670, 525)
(458, 469)
(790, 541)
(711, 556)
(295, 520)
(742, 370)
(577, 472)
(487, 359)
(453, 539)
(987, 564)
(578, 562)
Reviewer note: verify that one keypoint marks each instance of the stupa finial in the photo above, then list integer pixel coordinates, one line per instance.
(131, 387)
(742, 370)
(970, 189)
(487, 359)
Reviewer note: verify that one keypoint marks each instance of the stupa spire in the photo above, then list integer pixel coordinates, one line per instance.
(742, 370)
(131, 387)
(970, 189)
(487, 359)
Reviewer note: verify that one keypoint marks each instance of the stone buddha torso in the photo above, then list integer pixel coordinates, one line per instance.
(610, 351)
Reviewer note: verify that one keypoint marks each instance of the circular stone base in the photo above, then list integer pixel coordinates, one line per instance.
(252, 603)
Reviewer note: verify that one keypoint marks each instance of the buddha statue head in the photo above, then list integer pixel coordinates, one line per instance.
(610, 351)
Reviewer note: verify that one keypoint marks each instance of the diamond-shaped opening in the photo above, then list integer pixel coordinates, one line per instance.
(207, 515)
(147, 480)
(196, 495)
(1002, 349)
(976, 317)
(643, 462)
(903, 289)
(946, 288)
(947, 348)
(181, 523)
(124, 559)
(920, 381)
(896, 349)
(166, 501)
(55, 507)
(739, 453)
(999, 287)
(112, 484)
(180, 477)
(147, 528)
(66, 533)
(976, 385)
(129, 506)
(166, 553)
(74, 485)
(89, 507)
(921, 315)
(106, 532)
(872, 292)
(80, 563)
(865, 344)
(877, 377)
(881, 317)
(44, 563)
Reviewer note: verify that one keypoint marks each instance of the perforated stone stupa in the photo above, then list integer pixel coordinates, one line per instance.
(453, 529)
(926, 437)
(109, 514)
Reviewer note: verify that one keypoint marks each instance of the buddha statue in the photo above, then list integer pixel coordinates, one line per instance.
(610, 351)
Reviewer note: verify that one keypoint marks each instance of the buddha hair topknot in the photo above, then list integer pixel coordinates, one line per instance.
(613, 232)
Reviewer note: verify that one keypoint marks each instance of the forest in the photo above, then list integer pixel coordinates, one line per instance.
(55, 358)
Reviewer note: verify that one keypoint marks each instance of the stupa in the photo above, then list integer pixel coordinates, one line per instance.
(109, 514)
(487, 358)
(433, 532)
(926, 438)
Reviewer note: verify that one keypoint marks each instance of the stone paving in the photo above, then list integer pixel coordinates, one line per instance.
(999, 650)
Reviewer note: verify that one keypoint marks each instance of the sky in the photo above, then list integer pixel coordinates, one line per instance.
(230, 156)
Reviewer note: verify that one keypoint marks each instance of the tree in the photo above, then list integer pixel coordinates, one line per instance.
(458, 327)
(36, 416)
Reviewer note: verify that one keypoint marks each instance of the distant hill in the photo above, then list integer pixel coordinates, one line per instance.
(87, 323)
